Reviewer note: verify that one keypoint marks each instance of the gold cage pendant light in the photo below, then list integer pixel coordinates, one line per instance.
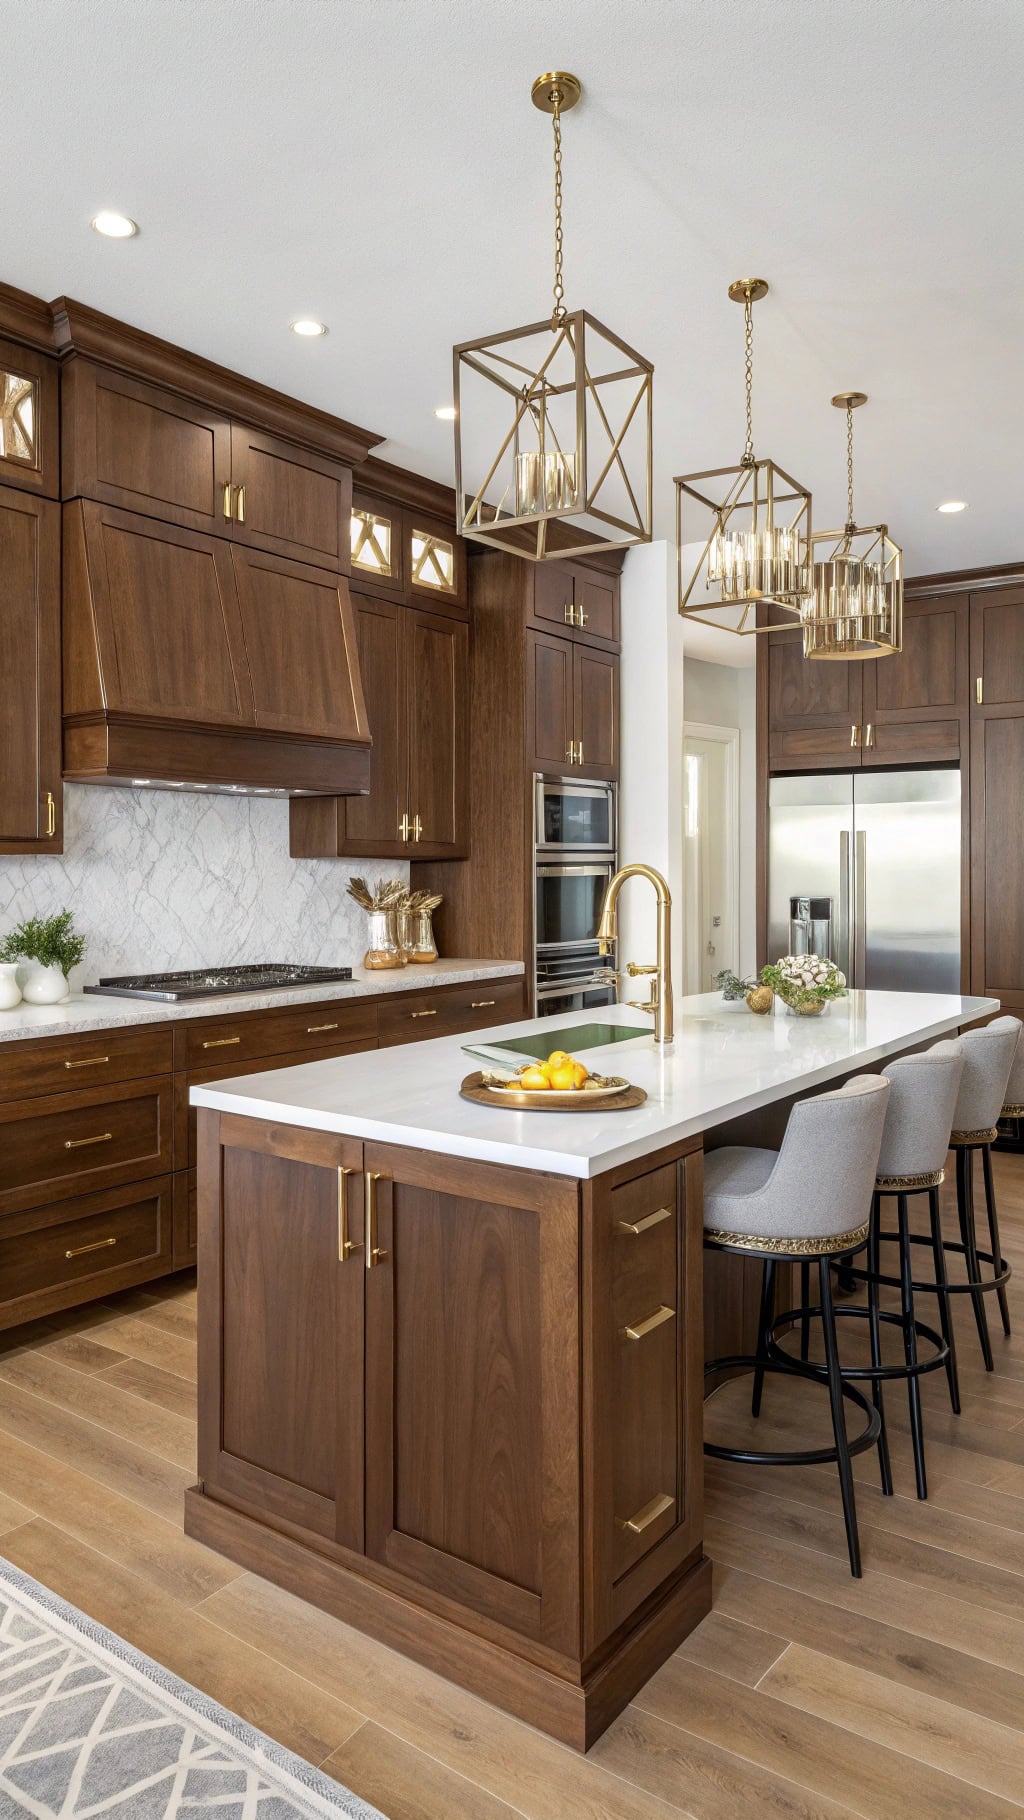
(749, 525)
(856, 608)
(553, 421)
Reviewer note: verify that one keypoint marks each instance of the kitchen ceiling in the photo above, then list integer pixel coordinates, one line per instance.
(379, 168)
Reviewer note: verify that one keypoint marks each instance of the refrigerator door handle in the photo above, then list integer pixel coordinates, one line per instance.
(860, 918)
(843, 941)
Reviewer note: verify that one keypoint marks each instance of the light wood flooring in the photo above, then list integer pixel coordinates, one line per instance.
(804, 1694)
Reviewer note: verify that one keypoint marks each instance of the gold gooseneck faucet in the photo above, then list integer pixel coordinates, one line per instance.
(660, 1001)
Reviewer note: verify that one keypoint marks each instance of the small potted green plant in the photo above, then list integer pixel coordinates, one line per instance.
(51, 944)
(805, 983)
(758, 998)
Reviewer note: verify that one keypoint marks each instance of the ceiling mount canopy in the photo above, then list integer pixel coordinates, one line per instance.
(743, 533)
(553, 421)
(856, 607)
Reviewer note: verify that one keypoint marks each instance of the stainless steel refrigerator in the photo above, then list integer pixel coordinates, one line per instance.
(865, 867)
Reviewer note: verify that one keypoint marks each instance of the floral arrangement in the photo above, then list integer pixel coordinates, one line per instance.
(805, 982)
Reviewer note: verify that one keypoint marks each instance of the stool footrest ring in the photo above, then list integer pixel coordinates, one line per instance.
(870, 1373)
(1002, 1274)
(809, 1456)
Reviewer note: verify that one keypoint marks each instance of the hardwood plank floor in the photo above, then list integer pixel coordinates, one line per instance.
(805, 1694)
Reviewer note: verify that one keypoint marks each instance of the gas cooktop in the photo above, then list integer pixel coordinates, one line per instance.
(211, 982)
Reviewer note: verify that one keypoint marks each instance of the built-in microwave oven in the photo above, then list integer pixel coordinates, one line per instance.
(569, 896)
(573, 816)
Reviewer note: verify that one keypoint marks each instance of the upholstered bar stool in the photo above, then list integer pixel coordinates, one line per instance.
(923, 1092)
(811, 1199)
(989, 1055)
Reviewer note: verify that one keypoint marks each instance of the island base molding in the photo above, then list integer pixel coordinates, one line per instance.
(576, 1712)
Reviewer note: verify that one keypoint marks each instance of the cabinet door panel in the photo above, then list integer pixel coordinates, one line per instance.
(438, 710)
(29, 443)
(997, 856)
(30, 754)
(596, 711)
(596, 600)
(814, 707)
(137, 446)
(553, 602)
(549, 702)
(916, 703)
(300, 639)
(294, 503)
(997, 647)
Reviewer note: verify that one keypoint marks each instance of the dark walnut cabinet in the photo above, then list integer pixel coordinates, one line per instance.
(997, 777)
(572, 707)
(423, 1405)
(31, 794)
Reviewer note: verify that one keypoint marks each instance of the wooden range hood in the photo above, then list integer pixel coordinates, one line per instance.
(208, 632)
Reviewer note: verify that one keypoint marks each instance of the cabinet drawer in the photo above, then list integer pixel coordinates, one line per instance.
(474, 1007)
(300, 1027)
(185, 1147)
(913, 742)
(813, 748)
(647, 1317)
(63, 1144)
(59, 1064)
(56, 1256)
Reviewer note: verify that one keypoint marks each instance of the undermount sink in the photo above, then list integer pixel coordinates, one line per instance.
(572, 1037)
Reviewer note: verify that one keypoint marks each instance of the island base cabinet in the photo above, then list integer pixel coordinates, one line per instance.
(420, 1408)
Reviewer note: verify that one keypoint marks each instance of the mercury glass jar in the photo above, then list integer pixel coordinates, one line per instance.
(418, 935)
(384, 947)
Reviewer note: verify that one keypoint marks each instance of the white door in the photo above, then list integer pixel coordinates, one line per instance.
(710, 856)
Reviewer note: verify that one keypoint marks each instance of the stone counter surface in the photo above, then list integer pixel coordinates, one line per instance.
(88, 1012)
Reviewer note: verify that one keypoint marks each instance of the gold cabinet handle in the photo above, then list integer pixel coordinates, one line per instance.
(77, 1251)
(226, 504)
(51, 815)
(221, 1042)
(80, 1143)
(869, 735)
(311, 1029)
(374, 1254)
(579, 753)
(346, 1246)
(240, 506)
(570, 752)
(581, 615)
(88, 1061)
(403, 828)
(481, 1004)
(417, 828)
(650, 1219)
(855, 736)
(979, 691)
(639, 1329)
(569, 614)
(432, 1013)
(650, 1514)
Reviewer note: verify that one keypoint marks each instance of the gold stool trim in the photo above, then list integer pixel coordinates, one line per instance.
(798, 1247)
(958, 1139)
(886, 1184)
(1013, 1112)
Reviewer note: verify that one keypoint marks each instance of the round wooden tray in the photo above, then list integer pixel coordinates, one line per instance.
(473, 1089)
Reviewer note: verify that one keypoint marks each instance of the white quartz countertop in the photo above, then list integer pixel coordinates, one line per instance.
(84, 1011)
(725, 1061)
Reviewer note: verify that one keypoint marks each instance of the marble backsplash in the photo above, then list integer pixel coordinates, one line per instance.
(159, 880)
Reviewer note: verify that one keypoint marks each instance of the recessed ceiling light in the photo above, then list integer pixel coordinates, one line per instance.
(113, 225)
(952, 505)
(308, 325)
(446, 412)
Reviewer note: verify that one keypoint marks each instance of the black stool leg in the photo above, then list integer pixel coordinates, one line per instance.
(993, 1227)
(945, 1322)
(835, 1391)
(764, 1326)
(910, 1346)
(965, 1209)
(885, 1470)
(805, 1318)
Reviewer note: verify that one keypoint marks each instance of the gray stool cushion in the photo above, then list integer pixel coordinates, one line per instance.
(923, 1091)
(988, 1058)
(815, 1192)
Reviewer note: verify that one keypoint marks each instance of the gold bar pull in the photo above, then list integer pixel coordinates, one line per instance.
(570, 752)
(581, 615)
(89, 1061)
(51, 815)
(374, 1254)
(481, 1004)
(346, 1246)
(869, 736)
(221, 1042)
(855, 736)
(649, 1220)
(417, 827)
(579, 753)
(569, 614)
(423, 1013)
(240, 506)
(403, 828)
(80, 1143)
(227, 499)
(101, 1245)
(650, 1514)
(640, 1329)
(979, 690)
(311, 1029)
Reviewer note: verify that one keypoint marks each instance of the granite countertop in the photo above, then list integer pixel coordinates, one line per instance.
(724, 1062)
(89, 1012)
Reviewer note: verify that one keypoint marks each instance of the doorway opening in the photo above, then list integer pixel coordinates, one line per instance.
(711, 853)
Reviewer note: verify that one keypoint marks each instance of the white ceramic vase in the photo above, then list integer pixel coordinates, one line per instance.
(44, 985)
(10, 991)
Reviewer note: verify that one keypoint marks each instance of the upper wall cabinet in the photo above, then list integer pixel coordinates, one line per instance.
(137, 446)
(30, 751)
(29, 448)
(408, 555)
(377, 545)
(583, 602)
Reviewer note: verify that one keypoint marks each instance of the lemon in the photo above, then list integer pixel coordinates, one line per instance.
(534, 1080)
(557, 1058)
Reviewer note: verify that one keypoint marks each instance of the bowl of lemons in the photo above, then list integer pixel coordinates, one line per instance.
(562, 1083)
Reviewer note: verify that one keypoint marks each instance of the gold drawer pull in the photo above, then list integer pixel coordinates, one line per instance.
(100, 1245)
(78, 1143)
(481, 1004)
(639, 1329)
(227, 499)
(423, 1013)
(346, 1246)
(89, 1061)
(51, 815)
(374, 1252)
(240, 505)
(650, 1514)
(311, 1029)
(221, 1042)
(649, 1220)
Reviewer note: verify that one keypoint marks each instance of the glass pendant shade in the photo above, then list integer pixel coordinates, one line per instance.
(856, 608)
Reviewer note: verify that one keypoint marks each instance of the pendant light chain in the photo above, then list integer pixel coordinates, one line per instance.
(558, 314)
(850, 521)
(748, 366)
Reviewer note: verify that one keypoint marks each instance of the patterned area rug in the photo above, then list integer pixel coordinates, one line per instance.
(89, 1727)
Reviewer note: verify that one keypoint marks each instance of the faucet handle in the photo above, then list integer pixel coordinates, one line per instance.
(634, 969)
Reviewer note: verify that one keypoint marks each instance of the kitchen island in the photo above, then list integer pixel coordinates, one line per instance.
(451, 1358)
